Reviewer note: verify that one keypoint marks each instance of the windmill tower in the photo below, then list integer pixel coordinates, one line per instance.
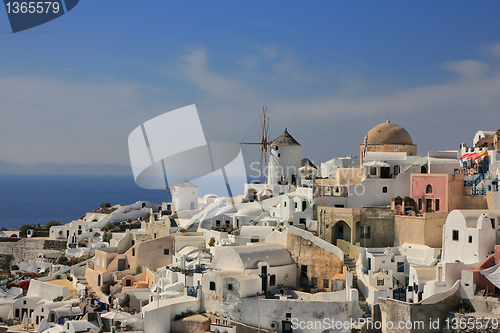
(284, 161)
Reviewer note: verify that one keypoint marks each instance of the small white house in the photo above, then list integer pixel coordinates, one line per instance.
(185, 196)
(469, 236)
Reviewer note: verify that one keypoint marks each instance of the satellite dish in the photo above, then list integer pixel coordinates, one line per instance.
(153, 287)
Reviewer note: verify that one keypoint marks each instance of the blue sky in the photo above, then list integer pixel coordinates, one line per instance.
(72, 90)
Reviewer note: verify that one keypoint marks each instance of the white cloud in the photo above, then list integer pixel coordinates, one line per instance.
(467, 68)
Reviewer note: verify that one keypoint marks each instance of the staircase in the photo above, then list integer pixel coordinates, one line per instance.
(83, 281)
(351, 265)
(106, 325)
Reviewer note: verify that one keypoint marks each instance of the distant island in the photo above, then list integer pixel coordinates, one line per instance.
(65, 169)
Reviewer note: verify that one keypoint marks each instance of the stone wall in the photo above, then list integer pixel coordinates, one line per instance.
(9, 239)
(430, 315)
(321, 264)
(20, 249)
(5, 261)
(52, 244)
(193, 324)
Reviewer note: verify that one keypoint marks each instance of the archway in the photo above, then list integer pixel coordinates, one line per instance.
(342, 231)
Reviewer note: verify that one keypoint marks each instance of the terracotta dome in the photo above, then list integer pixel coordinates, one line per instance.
(389, 134)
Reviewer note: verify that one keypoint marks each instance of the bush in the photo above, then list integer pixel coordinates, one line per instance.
(182, 315)
(107, 237)
(106, 287)
(24, 229)
(464, 308)
(57, 299)
(62, 260)
(126, 302)
(105, 205)
(211, 243)
(52, 223)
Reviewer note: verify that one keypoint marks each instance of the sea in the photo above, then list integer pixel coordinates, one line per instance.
(33, 199)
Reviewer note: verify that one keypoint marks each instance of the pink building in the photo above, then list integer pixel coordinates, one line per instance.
(437, 192)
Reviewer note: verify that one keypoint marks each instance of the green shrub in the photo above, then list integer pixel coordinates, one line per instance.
(107, 237)
(52, 223)
(464, 308)
(182, 315)
(62, 260)
(106, 287)
(211, 243)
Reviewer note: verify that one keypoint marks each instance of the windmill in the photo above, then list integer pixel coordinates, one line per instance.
(263, 141)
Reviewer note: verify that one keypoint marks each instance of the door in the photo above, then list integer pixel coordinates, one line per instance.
(286, 326)
(121, 264)
(399, 294)
(304, 281)
(263, 271)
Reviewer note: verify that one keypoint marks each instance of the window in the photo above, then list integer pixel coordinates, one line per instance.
(436, 205)
(470, 239)
(272, 280)
(296, 205)
(284, 204)
(365, 232)
(455, 235)
(212, 285)
(79, 227)
(155, 235)
(396, 170)
(428, 189)
(217, 223)
(492, 223)
(326, 283)
(288, 315)
(420, 203)
(314, 281)
(79, 232)
(276, 147)
(42, 309)
(279, 155)
(24, 302)
(98, 262)
(128, 283)
(166, 251)
(384, 189)
(373, 171)
(133, 252)
(401, 267)
(230, 286)
(380, 282)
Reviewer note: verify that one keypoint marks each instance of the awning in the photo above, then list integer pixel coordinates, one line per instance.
(493, 275)
(376, 164)
(474, 156)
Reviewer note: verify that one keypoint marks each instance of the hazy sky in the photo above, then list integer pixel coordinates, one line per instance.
(72, 90)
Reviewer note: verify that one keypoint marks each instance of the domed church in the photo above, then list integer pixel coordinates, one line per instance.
(388, 137)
